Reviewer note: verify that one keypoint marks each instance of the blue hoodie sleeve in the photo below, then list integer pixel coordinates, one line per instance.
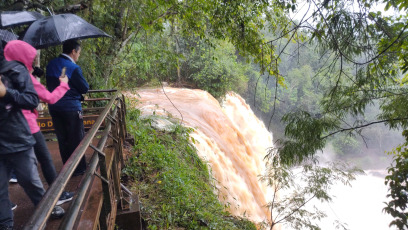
(78, 81)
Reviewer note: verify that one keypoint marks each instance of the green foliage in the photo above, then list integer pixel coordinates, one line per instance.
(362, 57)
(174, 185)
(259, 92)
(154, 40)
(147, 60)
(295, 188)
(397, 181)
(303, 88)
(304, 132)
(346, 144)
(306, 89)
(218, 70)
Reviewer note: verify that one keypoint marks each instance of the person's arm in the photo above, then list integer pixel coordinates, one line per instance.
(78, 81)
(22, 94)
(46, 96)
(2, 89)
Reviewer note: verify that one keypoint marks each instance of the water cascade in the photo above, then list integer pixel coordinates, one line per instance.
(229, 137)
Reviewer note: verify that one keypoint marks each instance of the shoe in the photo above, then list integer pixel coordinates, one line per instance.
(65, 197)
(13, 206)
(57, 212)
(80, 173)
(13, 179)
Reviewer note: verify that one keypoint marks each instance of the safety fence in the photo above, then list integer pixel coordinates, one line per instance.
(118, 207)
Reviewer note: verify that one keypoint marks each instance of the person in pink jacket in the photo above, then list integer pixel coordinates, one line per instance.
(23, 52)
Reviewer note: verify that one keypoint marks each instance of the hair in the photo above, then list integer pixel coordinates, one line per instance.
(70, 45)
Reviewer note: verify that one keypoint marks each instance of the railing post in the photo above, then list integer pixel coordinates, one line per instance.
(112, 192)
(106, 206)
(124, 109)
(116, 164)
(122, 128)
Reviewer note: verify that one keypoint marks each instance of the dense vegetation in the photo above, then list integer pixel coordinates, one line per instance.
(354, 80)
(304, 89)
(397, 181)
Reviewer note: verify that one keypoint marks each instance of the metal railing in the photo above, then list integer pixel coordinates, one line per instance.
(108, 170)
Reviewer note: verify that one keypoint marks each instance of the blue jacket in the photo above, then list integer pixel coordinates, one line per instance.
(71, 101)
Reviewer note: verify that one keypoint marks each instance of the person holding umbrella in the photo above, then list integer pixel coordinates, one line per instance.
(23, 52)
(67, 112)
(16, 141)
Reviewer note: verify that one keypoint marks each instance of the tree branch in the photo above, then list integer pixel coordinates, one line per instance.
(362, 126)
(297, 209)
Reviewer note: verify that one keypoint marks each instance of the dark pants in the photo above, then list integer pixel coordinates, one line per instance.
(25, 167)
(69, 127)
(44, 158)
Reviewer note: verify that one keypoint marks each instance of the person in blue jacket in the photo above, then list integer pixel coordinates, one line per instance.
(67, 112)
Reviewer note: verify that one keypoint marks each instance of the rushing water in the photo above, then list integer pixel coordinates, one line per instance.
(230, 138)
(360, 206)
(234, 141)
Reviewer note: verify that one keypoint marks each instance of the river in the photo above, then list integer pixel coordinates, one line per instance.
(359, 205)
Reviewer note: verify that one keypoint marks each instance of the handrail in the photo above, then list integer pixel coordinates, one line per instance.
(71, 215)
(44, 208)
(102, 90)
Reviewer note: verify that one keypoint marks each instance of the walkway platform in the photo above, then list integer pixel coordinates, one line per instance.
(101, 200)
(24, 205)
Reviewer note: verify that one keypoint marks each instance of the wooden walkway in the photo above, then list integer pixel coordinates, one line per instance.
(100, 200)
(24, 205)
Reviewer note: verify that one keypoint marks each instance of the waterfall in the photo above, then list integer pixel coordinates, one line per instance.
(229, 137)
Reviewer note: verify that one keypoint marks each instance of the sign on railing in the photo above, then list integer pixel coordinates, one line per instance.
(46, 125)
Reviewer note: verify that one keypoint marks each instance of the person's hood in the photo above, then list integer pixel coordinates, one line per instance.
(21, 51)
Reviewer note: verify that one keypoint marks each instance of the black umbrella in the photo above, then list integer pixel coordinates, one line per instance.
(7, 36)
(15, 18)
(56, 29)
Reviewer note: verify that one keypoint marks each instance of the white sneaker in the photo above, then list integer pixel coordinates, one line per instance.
(65, 197)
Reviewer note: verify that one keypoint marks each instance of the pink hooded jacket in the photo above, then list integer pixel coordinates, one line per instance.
(23, 52)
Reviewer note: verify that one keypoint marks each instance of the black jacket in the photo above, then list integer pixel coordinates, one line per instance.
(15, 135)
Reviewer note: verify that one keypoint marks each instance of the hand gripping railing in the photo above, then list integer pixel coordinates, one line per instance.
(115, 128)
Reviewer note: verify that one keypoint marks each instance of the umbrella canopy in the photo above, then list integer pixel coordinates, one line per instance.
(56, 29)
(15, 18)
(7, 36)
